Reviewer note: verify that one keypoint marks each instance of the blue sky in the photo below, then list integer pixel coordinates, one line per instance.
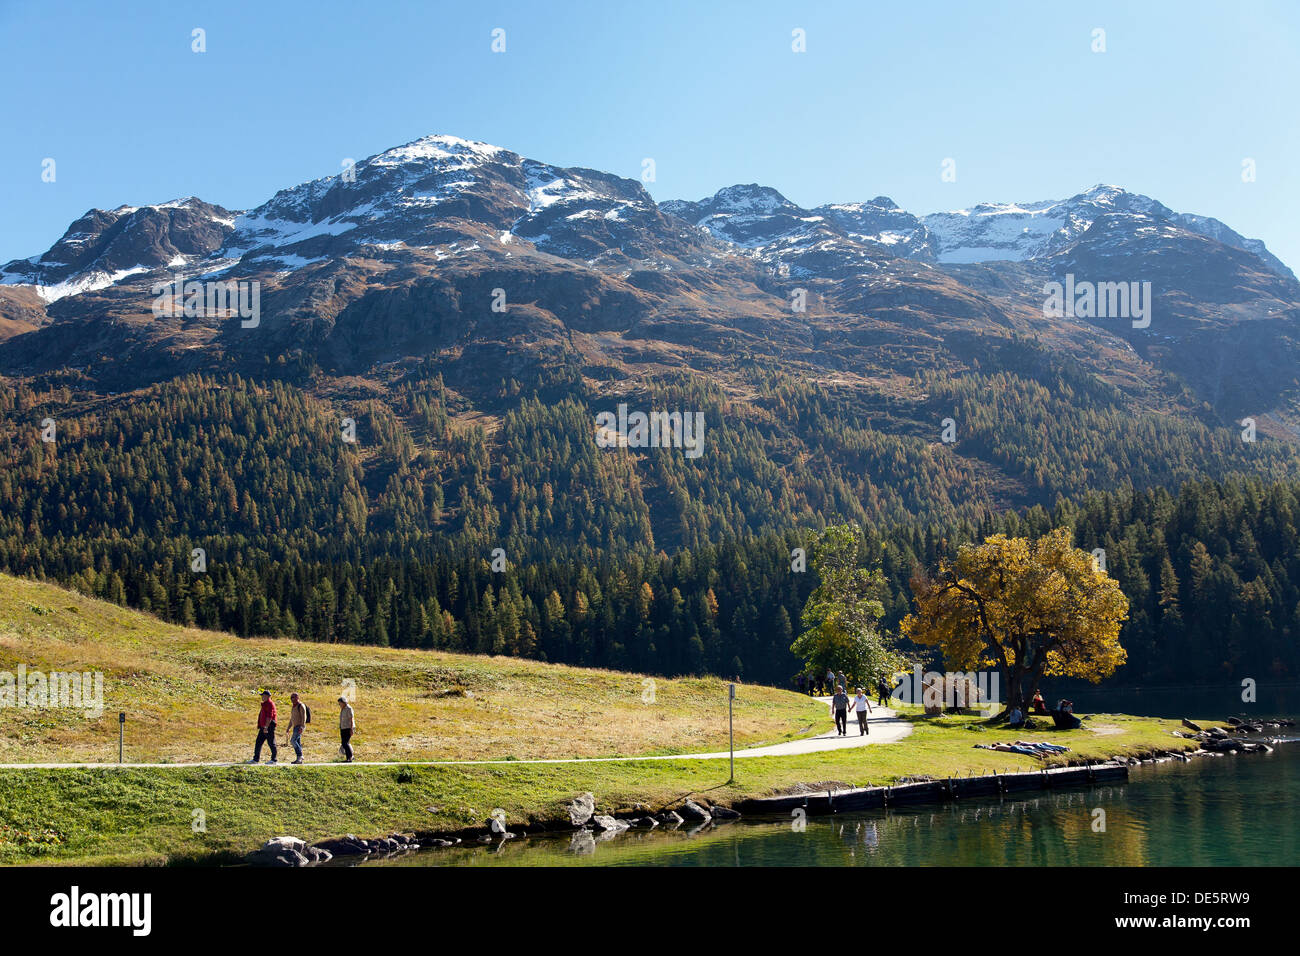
(711, 91)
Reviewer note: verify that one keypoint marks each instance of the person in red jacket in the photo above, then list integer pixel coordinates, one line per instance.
(265, 728)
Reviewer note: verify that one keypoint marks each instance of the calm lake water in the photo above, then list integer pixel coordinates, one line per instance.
(1218, 811)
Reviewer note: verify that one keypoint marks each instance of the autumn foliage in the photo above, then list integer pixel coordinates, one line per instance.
(1031, 608)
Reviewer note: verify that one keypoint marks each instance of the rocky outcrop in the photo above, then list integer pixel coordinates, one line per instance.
(288, 851)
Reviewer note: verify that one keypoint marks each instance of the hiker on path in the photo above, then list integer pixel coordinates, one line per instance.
(800, 681)
(862, 705)
(265, 728)
(297, 722)
(840, 705)
(841, 681)
(830, 681)
(347, 724)
(882, 691)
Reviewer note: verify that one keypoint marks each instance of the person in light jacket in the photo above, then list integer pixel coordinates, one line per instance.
(862, 706)
(297, 722)
(347, 724)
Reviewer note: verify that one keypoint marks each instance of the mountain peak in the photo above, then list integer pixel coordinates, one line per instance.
(439, 147)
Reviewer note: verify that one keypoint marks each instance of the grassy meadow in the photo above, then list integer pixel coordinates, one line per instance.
(192, 696)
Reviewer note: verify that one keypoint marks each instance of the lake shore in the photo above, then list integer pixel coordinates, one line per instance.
(207, 815)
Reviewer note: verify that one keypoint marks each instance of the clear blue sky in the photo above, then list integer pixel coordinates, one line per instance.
(711, 91)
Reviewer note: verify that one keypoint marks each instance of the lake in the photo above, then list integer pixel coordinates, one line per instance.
(1241, 810)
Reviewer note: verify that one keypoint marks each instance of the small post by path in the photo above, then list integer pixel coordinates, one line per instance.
(121, 732)
(731, 729)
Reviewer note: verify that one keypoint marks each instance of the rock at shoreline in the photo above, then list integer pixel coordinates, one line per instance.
(607, 823)
(725, 813)
(581, 809)
(281, 851)
(693, 811)
(642, 823)
(345, 846)
(671, 818)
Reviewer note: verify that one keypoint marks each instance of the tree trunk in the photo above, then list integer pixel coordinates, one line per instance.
(1015, 691)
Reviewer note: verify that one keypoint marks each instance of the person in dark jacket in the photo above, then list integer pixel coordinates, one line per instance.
(840, 704)
(265, 728)
(882, 691)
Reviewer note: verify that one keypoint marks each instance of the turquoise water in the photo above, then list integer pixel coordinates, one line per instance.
(1241, 810)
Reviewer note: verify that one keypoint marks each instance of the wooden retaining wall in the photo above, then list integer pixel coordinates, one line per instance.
(936, 791)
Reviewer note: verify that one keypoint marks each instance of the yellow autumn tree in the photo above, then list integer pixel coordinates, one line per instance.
(1030, 608)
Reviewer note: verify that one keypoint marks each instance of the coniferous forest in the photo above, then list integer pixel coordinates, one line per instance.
(240, 505)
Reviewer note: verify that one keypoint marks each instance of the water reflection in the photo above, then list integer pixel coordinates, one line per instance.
(1225, 811)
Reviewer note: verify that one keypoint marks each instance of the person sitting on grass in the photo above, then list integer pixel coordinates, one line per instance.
(1038, 706)
(1015, 716)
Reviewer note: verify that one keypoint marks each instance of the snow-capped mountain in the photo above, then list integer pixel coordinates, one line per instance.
(750, 216)
(760, 222)
(1024, 231)
(458, 196)
(401, 255)
(438, 191)
(407, 196)
(883, 223)
(105, 247)
(836, 239)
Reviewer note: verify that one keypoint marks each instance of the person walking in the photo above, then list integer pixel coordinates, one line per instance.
(265, 728)
(297, 722)
(830, 681)
(840, 705)
(882, 691)
(862, 704)
(347, 724)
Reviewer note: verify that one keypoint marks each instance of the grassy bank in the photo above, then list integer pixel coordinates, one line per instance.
(147, 815)
(191, 695)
